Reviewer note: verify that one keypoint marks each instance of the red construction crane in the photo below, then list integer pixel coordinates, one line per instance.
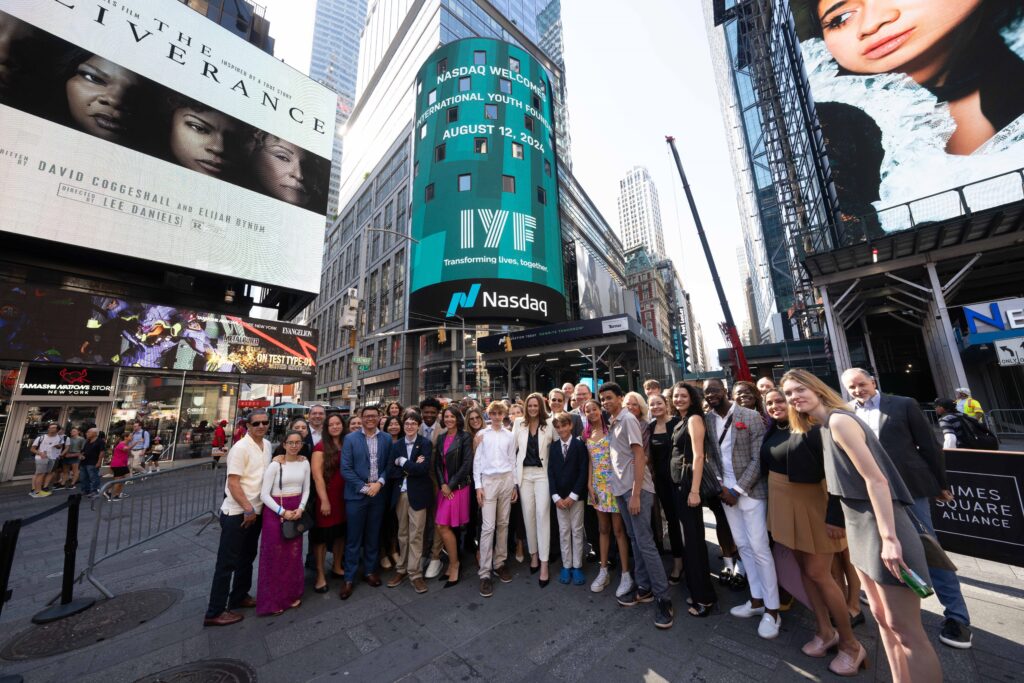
(728, 327)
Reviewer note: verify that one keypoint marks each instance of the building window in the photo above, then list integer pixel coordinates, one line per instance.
(416, 169)
(428, 192)
(464, 84)
(517, 150)
(419, 87)
(508, 183)
(491, 112)
(439, 152)
(536, 103)
(513, 64)
(480, 145)
(423, 131)
(442, 66)
(547, 168)
(528, 122)
(465, 182)
(431, 97)
(479, 57)
(542, 195)
(505, 86)
(453, 114)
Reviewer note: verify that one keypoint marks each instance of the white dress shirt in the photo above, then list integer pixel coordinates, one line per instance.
(725, 447)
(870, 411)
(401, 462)
(496, 454)
(316, 435)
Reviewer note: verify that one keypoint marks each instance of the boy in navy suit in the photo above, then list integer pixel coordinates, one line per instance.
(567, 480)
(409, 464)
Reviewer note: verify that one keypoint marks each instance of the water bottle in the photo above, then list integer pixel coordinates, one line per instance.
(916, 583)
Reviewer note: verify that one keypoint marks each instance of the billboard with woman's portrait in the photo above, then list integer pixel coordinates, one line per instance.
(146, 129)
(916, 98)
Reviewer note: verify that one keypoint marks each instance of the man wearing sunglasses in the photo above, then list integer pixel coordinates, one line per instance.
(239, 524)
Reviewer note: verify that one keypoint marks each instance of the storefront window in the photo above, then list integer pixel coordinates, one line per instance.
(205, 403)
(8, 380)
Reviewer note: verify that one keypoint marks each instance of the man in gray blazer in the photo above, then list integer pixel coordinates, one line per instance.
(739, 431)
(906, 436)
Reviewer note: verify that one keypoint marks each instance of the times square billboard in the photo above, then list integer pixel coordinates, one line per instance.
(485, 188)
(143, 128)
(916, 99)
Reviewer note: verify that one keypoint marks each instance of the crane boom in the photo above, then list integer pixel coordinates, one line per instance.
(728, 327)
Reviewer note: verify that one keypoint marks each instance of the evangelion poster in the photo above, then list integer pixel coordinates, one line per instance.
(43, 324)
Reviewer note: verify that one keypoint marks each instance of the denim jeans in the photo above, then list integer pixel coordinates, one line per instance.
(89, 479)
(648, 571)
(946, 584)
(232, 577)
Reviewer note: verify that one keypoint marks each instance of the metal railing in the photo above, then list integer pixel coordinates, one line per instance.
(1006, 422)
(153, 504)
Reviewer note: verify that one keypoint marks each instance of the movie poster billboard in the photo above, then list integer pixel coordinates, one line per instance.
(143, 128)
(915, 99)
(48, 325)
(485, 192)
(600, 293)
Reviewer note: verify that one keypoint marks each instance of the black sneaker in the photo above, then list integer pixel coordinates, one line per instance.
(955, 634)
(666, 615)
(627, 600)
(644, 595)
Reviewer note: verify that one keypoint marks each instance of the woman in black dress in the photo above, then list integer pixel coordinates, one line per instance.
(663, 423)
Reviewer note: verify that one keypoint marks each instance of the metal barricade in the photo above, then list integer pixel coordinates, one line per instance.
(154, 504)
(1006, 422)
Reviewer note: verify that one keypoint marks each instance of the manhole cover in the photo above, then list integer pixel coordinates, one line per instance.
(105, 620)
(205, 671)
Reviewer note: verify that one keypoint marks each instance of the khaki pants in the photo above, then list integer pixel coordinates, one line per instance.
(494, 515)
(536, 502)
(570, 534)
(410, 537)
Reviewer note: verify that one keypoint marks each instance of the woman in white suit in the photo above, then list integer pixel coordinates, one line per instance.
(532, 435)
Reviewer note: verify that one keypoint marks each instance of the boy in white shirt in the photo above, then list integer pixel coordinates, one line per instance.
(494, 473)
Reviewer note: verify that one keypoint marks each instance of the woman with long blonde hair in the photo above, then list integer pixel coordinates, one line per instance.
(884, 545)
(532, 435)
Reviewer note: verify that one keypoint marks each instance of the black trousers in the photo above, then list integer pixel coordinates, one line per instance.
(696, 567)
(663, 489)
(232, 577)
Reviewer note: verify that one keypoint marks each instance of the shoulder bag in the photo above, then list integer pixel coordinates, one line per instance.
(292, 528)
(710, 488)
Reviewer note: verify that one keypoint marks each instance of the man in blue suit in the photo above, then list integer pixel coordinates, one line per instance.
(409, 464)
(364, 461)
(568, 459)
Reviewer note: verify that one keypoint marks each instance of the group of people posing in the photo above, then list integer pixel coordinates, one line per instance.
(845, 487)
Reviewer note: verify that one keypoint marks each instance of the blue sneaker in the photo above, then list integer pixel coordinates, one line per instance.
(563, 576)
(577, 577)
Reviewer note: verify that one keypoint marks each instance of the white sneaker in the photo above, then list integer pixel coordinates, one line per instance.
(601, 581)
(745, 611)
(433, 569)
(625, 585)
(769, 626)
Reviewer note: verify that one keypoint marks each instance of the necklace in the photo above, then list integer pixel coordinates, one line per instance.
(783, 426)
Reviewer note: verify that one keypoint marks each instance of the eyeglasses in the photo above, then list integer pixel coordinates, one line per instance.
(261, 423)
(293, 443)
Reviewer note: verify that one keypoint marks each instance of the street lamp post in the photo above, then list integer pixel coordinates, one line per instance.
(357, 375)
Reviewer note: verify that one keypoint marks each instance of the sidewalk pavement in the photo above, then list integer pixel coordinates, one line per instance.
(563, 633)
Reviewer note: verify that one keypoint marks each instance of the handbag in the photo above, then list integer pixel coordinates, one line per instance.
(293, 528)
(934, 555)
(710, 488)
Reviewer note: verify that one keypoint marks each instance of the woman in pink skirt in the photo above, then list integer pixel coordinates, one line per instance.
(284, 495)
(453, 465)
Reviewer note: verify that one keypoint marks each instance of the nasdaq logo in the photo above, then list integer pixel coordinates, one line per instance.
(494, 223)
(463, 300)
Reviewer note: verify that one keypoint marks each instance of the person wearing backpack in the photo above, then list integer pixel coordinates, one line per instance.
(961, 431)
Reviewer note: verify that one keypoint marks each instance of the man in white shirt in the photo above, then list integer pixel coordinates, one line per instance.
(317, 415)
(47, 449)
(494, 473)
(239, 523)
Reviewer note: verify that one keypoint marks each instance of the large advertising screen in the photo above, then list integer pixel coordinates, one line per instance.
(485, 191)
(143, 128)
(916, 99)
(600, 294)
(44, 324)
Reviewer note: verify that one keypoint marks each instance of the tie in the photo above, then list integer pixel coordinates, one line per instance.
(565, 451)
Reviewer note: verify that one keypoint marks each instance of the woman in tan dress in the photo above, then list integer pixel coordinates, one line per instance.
(798, 507)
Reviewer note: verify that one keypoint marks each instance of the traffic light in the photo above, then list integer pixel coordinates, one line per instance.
(442, 335)
(508, 343)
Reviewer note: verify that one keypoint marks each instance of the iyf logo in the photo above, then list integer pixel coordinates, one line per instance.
(463, 299)
(494, 222)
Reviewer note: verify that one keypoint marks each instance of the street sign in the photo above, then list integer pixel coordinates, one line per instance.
(361, 360)
(1010, 351)
(363, 368)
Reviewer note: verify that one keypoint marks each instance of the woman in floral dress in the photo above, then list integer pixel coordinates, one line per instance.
(595, 433)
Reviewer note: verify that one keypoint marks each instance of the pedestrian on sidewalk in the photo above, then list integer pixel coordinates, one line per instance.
(47, 449)
(329, 497)
(409, 465)
(533, 436)
(140, 443)
(494, 467)
(634, 493)
(119, 467)
(284, 495)
(73, 458)
(601, 498)
(92, 452)
(568, 459)
(239, 529)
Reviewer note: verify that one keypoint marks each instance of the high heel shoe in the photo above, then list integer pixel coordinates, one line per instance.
(847, 665)
(458, 576)
(700, 610)
(322, 589)
(818, 647)
(534, 570)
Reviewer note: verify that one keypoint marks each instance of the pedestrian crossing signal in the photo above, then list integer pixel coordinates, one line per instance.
(508, 343)
(442, 335)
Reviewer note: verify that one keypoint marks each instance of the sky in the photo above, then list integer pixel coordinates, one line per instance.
(635, 72)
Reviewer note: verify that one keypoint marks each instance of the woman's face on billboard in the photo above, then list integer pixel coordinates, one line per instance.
(201, 140)
(98, 98)
(882, 36)
(278, 167)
